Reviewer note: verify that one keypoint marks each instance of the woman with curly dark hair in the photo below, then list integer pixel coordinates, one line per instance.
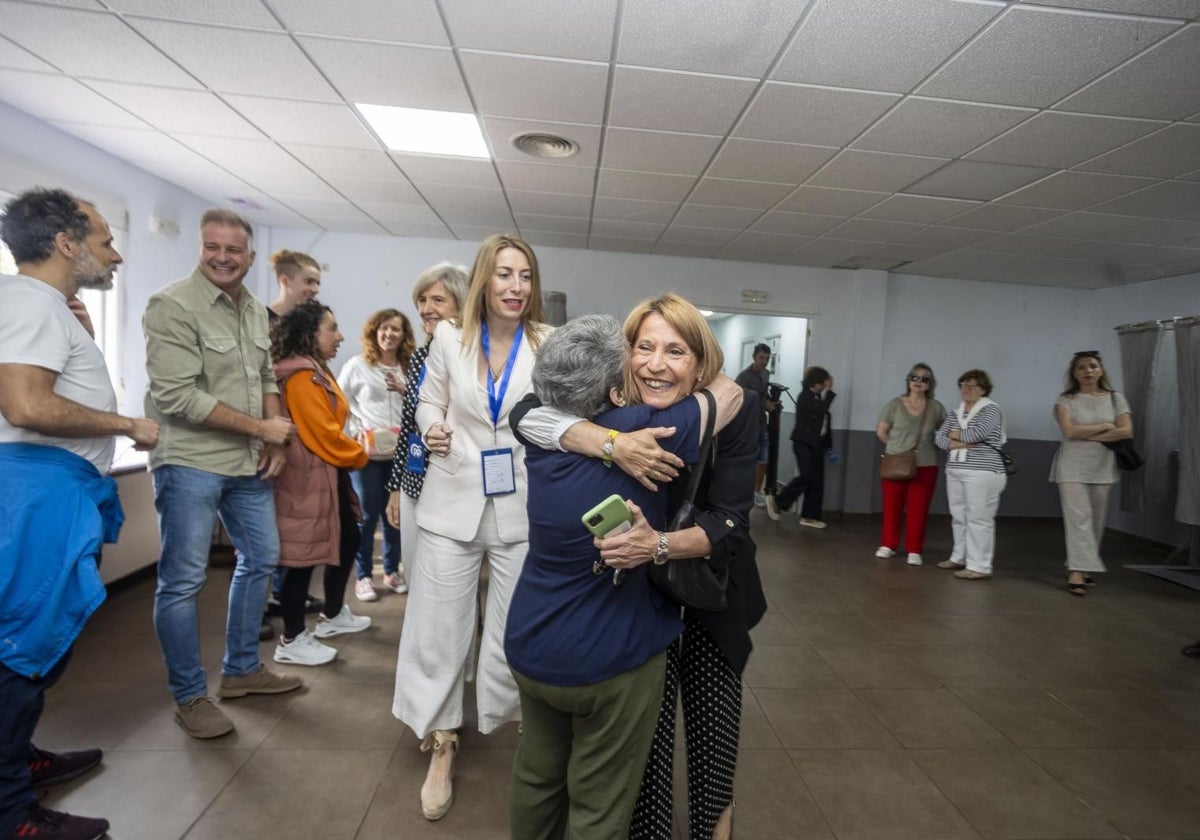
(315, 506)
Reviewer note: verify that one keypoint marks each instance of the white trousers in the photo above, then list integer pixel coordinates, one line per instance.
(439, 625)
(1085, 509)
(408, 533)
(974, 496)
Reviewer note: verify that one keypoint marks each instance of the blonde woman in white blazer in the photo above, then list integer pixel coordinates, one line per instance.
(472, 506)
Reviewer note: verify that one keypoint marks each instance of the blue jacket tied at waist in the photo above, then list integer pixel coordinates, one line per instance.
(55, 510)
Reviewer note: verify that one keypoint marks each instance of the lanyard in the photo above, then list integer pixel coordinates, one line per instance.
(495, 400)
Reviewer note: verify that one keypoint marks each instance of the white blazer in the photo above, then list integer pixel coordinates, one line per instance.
(452, 501)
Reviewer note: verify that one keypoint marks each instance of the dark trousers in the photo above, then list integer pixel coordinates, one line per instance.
(809, 481)
(296, 580)
(371, 485)
(21, 702)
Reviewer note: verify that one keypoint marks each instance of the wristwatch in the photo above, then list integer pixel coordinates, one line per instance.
(607, 448)
(661, 554)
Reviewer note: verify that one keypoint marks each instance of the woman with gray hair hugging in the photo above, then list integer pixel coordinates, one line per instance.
(586, 644)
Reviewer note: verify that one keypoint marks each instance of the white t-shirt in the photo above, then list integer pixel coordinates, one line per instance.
(37, 328)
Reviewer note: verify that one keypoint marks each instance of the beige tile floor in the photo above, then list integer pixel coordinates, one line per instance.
(883, 702)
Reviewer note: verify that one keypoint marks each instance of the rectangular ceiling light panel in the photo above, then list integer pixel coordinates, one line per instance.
(426, 132)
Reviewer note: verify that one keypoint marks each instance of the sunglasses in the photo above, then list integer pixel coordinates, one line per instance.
(916, 377)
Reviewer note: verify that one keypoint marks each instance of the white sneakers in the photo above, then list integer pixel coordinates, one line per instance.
(364, 590)
(883, 552)
(914, 559)
(304, 650)
(759, 499)
(772, 509)
(395, 581)
(811, 523)
(344, 622)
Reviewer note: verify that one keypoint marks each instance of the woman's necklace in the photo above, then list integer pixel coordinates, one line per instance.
(498, 371)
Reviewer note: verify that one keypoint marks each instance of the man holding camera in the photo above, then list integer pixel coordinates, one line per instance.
(756, 378)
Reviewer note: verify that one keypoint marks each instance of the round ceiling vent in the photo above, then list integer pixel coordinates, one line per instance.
(537, 144)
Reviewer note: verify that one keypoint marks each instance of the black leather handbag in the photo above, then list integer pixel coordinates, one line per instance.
(1128, 458)
(693, 582)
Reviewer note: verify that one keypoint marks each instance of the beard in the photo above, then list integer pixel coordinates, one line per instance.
(88, 273)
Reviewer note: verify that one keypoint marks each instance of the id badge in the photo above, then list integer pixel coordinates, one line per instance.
(414, 463)
(498, 476)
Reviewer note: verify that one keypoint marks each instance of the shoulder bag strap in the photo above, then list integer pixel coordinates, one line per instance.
(705, 444)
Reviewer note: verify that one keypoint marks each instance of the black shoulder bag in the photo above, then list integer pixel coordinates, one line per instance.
(1128, 458)
(693, 582)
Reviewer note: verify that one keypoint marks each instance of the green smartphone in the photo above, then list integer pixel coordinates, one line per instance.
(609, 518)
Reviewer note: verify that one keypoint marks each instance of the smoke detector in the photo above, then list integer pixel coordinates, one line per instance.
(542, 145)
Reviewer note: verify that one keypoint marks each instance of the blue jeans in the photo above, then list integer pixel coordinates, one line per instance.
(370, 483)
(188, 502)
(21, 702)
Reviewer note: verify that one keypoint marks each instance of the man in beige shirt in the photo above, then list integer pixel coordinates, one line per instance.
(213, 393)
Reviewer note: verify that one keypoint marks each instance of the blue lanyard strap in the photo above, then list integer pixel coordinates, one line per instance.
(495, 400)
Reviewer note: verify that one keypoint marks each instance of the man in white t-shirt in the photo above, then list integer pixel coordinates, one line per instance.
(55, 394)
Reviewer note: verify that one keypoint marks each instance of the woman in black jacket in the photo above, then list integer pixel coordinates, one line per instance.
(810, 441)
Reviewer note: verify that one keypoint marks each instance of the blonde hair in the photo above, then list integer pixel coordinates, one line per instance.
(693, 327)
(372, 352)
(474, 309)
(287, 262)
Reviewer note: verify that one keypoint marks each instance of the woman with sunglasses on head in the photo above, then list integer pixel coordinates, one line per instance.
(1089, 413)
(908, 424)
(975, 475)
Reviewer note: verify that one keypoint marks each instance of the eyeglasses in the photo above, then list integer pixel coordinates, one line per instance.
(970, 386)
(914, 377)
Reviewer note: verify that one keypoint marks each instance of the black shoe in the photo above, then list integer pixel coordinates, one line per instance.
(1192, 650)
(43, 824)
(267, 631)
(273, 605)
(47, 768)
(313, 606)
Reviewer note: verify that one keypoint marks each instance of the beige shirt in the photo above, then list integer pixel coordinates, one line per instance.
(201, 349)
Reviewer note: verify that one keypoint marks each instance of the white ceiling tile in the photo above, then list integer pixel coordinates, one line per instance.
(812, 115)
(619, 243)
(1118, 251)
(455, 201)
(686, 102)
(353, 163)
(946, 238)
(171, 109)
(731, 193)
(476, 217)
(500, 133)
(735, 39)
(327, 209)
(873, 230)
(1161, 232)
(298, 187)
(539, 27)
(760, 247)
(410, 22)
(647, 186)
(431, 231)
(90, 44)
(1165, 200)
(390, 190)
(1074, 190)
(880, 46)
(838, 249)
(58, 98)
(1087, 225)
(763, 160)
(1158, 8)
(1160, 83)
(627, 230)
(633, 210)
(897, 253)
(389, 74)
(314, 123)
(75, 4)
(710, 216)
(477, 233)
(13, 57)
(1173, 151)
(938, 128)
(139, 145)
(558, 224)
(549, 204)
(689, 235)
(806, 224)
(969, 179)
(917, 208)
(539, 177)
(237, 60)
(1034, 56)
(1001, 217)
(1023, 243)
(874, 171)
(831, 202)
(261, 158)
(554, 239)
(432, 169)
(674, 248)
(392, 213)
(658, 151)
(530, 88)
(802, 257)
(1062, 140)
(248, 13)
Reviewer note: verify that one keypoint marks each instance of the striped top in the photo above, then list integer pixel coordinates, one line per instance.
(986, 427)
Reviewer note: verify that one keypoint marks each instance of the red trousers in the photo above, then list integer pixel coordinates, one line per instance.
(915, 495)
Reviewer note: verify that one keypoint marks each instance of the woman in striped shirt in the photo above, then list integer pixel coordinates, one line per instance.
(975, 475)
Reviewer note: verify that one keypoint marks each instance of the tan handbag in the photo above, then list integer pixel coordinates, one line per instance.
(902, 466)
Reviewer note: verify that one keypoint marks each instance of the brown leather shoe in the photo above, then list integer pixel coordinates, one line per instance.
(437, 793)
(971, 574)
(258, 681)
(200, 718)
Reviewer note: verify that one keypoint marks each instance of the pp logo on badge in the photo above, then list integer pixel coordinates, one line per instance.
(415, 462)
